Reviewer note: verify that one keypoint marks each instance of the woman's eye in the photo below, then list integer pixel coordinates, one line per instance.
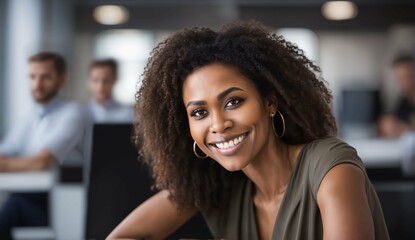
(198, 113)
(234, 102)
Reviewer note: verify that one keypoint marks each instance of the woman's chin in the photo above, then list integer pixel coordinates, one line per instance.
(231, 166)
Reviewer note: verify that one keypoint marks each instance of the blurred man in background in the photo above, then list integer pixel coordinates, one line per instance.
(402, 117)
(102, 107)
(49, 132)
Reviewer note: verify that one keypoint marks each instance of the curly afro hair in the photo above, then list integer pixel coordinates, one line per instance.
(274, 65)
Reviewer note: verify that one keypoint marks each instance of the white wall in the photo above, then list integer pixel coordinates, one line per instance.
(23, 38)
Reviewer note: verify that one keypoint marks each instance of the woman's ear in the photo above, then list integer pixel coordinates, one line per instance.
(271, 104)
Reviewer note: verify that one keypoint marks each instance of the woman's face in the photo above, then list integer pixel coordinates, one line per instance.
(227, 116)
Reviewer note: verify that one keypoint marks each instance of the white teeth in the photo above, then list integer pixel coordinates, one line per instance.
(230, 143)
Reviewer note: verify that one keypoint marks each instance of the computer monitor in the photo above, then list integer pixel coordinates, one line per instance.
(359, 111)
(360, 106)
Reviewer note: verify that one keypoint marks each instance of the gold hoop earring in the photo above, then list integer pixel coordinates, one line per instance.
(283, 124)
(195, 152)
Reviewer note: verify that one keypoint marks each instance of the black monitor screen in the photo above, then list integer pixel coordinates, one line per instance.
(359, 106)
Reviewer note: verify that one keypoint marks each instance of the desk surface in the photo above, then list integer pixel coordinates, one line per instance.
(26, 182)
(379, 153)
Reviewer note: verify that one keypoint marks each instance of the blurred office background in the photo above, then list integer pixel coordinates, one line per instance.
(354, 53)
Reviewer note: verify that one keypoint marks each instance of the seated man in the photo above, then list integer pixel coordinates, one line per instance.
(402, 117)
(45, 136)
(102, 107)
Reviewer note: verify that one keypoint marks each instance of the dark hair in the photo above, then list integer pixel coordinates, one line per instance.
(274, 65)
(58, 61)
(403, 58)
(109, 62)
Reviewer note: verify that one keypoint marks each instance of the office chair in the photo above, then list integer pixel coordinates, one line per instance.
(118, 183)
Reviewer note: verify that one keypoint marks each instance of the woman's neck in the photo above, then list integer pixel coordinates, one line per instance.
(271, 170)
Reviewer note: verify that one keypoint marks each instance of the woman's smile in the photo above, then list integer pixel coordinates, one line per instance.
(230, 145)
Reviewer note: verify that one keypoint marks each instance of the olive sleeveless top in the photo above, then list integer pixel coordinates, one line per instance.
(299, 216)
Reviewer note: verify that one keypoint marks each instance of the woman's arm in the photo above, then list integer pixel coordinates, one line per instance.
(343, 204)
(156, 218)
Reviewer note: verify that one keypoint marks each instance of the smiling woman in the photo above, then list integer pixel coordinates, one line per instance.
(254, 107)
(230, 123)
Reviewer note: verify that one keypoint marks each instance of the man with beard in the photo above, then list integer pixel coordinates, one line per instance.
(53, 129)
(401, 119)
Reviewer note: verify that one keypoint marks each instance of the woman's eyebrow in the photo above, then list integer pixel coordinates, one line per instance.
(219, 97)
(227, 91)
(195, 103)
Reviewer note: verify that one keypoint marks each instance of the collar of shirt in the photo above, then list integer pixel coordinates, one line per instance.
(110, 104)
(43, 109)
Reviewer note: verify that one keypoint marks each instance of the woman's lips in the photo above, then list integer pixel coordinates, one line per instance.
(231, 146)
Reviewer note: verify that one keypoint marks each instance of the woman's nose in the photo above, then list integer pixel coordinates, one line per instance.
(219, 123)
